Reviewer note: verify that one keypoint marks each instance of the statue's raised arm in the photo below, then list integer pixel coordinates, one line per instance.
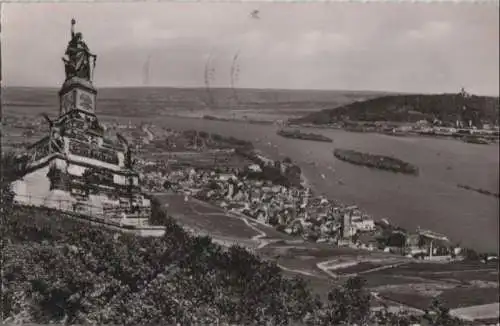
(73, 22)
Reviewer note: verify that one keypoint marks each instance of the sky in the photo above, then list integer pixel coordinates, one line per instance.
(427, 48)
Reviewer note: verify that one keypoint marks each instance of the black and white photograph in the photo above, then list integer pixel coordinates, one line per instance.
(250, 163)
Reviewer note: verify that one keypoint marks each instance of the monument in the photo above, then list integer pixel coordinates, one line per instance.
(76, 167)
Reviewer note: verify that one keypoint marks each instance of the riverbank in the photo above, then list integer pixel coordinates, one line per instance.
(472, 136)
(252, 121)
(475, 140)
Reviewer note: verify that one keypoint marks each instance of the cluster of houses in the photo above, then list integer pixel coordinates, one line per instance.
(459, 129)
(292, 210)
(296, 211)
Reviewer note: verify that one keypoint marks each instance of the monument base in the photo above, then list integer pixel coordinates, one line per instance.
(51, 184)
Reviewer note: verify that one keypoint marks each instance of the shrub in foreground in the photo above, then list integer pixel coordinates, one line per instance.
(59, 270)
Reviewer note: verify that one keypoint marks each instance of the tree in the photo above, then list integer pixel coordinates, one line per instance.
(384, 317)
(158, 213)
(12, 167)
(470, 254)
(438, 315)
(347, 305)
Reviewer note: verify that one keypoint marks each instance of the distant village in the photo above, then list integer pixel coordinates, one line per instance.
(461, 130)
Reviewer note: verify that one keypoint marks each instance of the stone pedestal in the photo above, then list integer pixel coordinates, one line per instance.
(77, 93)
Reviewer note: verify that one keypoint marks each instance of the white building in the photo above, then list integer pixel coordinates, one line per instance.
(255, 168)
(362, 224)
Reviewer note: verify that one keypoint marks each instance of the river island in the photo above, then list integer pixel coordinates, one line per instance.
(297, 134)
(375, 161)
(479, 190)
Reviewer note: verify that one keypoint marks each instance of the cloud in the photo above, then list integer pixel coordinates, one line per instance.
(317, 42)
(431, 31)
(395, 47)
(144, 32)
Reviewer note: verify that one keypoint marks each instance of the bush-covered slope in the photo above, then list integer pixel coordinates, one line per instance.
(56, 269)
(59, 270)
(411, 108)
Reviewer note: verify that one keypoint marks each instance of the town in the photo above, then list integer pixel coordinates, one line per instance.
(213, 169)
(485, 135)
(294, 209)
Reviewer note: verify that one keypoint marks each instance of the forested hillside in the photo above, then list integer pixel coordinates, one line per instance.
(411, 108)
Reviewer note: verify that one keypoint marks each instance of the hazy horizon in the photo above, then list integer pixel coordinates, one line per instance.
(413, 48)
(55, 88)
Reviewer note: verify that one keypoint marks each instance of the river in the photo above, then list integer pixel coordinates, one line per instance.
(432, 200)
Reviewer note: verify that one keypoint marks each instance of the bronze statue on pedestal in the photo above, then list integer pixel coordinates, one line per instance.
(77, 64)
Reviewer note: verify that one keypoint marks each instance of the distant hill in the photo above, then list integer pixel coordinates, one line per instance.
(152, 101)
(411, 108)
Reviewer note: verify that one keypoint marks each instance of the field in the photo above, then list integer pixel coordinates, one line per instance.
(375, 280)
(158, 101)
(358, 268)
(457, 285)
(196, 216)
(121, 104)
(453, 298)
(444, 268)
(410, 284)
(482, 314)
(292, 254)
(459, 273)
